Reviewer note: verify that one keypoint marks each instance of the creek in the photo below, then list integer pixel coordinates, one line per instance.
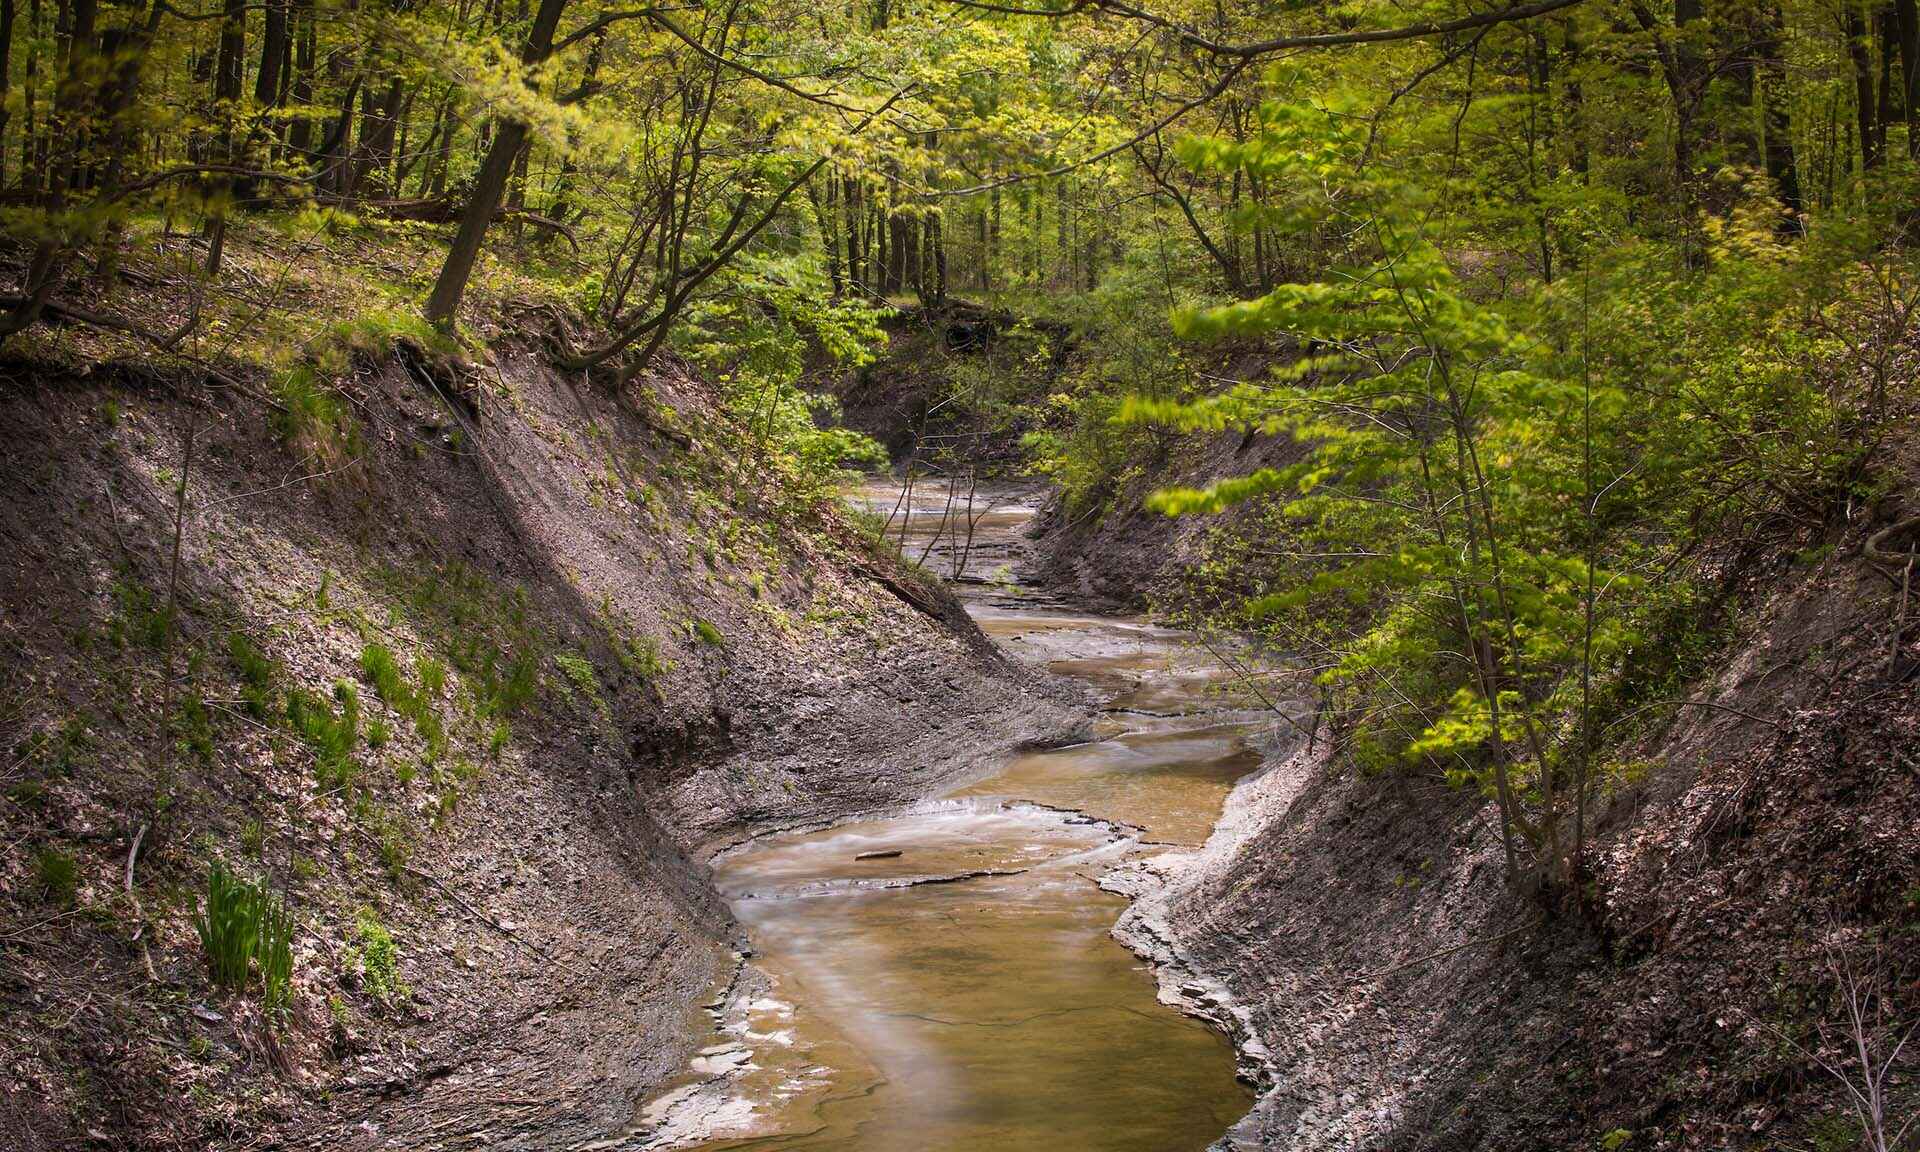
(943, 978)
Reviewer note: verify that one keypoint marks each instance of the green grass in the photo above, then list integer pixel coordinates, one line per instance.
(579, 672)
(311, 416)
(243, 927)
(56, 876)
(137, 618)
(707, 634)
(333, 735)
(433, 678)
(257, 675)
(383, 672)
(274, 955)
(373, 951)
(228, 924)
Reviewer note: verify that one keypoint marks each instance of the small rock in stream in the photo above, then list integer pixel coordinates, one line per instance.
(888, 854)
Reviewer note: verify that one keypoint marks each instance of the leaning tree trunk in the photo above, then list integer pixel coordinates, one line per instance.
(490, 184)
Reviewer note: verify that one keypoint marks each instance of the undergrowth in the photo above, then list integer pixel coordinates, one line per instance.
(244, 929)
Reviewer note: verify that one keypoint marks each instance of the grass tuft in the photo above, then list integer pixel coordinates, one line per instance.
(243, 927)
(56, 876)
(332, 735)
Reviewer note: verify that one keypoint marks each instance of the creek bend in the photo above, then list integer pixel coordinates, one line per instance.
(944, 978)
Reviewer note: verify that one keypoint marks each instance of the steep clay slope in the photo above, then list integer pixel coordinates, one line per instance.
(1389, 991)
(643, 656)
(1118, 553)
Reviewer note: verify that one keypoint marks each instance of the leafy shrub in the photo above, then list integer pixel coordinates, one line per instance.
(372, 950)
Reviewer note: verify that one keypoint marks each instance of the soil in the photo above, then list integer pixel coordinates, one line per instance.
(1387, 990)
(1119, 555)
(704, 663)
(648, 657)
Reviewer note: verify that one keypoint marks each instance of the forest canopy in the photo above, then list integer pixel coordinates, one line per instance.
(1555, 291)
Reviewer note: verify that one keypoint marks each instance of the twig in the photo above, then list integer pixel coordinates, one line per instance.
(1718, 707)
(1419, 960)
(139, 913)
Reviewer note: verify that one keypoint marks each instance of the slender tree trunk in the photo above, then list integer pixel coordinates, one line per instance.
(229, 72)
(31, 173)
(1859, 51)
(823, 219)
(563, 188)
(6, 80)
(1778, 123)
(1909, 16)
(443, 157)
(1889, 31)
(444, 303)
(300, 132)
(899, 239)
(850, 210)
(1576, 101)
(936, 244)
(379, 120)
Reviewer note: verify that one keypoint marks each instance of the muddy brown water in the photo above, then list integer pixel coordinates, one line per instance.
(965, 993)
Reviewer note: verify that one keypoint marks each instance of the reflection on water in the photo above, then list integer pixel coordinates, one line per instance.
(943, 980)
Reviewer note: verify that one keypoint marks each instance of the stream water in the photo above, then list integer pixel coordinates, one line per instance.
(943, 979)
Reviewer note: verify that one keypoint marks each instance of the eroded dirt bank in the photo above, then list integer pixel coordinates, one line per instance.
(1387, 990)
(610, 652)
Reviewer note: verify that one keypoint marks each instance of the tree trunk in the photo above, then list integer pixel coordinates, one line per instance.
(1859, 50)
(563, 188)
(1778, 122)
(273, 48)
(823, 219)
(6, 79)
(1909, 15)
(300, 132)
(229, 72)
(899, 239)
(936, 244)
(851, 211)
(1576, 114)
(31, 173)
(1889, 31)
(444, 304)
